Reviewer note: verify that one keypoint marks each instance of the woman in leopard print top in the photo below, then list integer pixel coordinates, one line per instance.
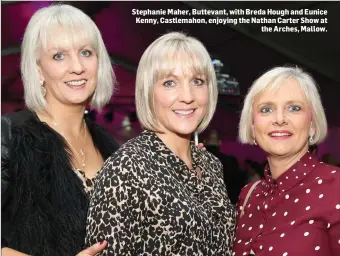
(158, 194)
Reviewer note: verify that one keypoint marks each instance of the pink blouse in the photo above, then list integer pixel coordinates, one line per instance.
(296, 214)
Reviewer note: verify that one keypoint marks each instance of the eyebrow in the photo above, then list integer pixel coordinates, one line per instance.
(59, 49)
(170, 75)
(286, 103)
(193, 76)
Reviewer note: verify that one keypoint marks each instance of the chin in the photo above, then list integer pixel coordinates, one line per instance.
(184, 131)
(78, 100)
(280, 152)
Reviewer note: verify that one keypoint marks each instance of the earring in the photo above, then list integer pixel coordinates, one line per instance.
(43, 89)
(255, 142)
(310, 139)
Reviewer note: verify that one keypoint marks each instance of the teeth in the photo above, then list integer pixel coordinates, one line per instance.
(279, 134)
(184, 112)
(76, 83)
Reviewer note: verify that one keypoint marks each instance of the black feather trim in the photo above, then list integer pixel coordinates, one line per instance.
(47, 204)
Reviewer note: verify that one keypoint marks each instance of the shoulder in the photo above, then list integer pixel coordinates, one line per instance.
(12, 120)
(30, 139)
(325, 183)
(331, 173)
(326, 172)
(209, 156)
(212, 160)
(129, 159)
(328, 169)
(136, 149)
(244, 193)
(22, 127)
(209, 162)
(17, 118)
(246, 189)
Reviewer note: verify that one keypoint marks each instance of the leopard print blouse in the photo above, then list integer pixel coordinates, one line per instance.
(146, 201)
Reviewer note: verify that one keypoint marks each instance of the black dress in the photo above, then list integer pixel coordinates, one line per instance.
(44, 201)
(147, 202)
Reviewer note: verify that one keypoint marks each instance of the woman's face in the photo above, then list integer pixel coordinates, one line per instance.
(180, 102)
(69, 74)
(282, 120)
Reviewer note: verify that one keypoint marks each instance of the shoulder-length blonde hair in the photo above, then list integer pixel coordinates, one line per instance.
(159, 60)
(273, 79)
(76, 26)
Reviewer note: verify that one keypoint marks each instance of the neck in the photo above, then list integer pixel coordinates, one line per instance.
(179, 145)
(69, 119)
(280, 164)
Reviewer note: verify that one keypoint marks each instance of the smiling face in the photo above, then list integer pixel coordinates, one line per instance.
(282, 120)
(180, 102)
(69, 71)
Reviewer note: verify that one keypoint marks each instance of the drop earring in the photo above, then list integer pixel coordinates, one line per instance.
(43, 89)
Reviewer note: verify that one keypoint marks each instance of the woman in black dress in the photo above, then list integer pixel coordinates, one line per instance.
(51, 152)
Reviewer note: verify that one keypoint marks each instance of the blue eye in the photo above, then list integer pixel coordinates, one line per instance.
(169, 84)
(294, 108)
(86, 53)
(266, 110)
(198, 82)
(59, 56)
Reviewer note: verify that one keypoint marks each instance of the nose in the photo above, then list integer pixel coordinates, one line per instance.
(280, 117)
(76, 65)
(186, 94)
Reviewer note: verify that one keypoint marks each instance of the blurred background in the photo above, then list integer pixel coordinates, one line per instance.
(241, 53)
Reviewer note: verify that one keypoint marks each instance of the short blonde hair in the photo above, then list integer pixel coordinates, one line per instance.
(159, 60)
(76, 26)
(273, 79)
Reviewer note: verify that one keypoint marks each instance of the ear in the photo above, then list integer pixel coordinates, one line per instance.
(41, 76)
(253, 130)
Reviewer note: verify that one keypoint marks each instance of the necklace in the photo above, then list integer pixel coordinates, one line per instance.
(81, 151)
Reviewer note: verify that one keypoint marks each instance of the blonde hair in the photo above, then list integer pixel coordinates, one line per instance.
(273, 79)
(159, 60)
(76, 26)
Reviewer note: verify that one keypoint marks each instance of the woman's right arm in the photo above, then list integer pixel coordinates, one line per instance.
(5, 146)
(5, 175)
(6, 136)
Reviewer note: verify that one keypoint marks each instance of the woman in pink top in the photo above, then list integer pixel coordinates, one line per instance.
(295, 209)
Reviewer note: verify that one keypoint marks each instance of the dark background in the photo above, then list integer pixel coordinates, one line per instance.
(245, 51)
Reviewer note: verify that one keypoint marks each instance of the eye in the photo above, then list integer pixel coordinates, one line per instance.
(58, 56)
(266, 110)
(169, 84)
(294, 108)
(86, 53)
(197, 82)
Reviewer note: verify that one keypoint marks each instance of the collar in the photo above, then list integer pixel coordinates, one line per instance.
(160, 148)
(294, 175)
